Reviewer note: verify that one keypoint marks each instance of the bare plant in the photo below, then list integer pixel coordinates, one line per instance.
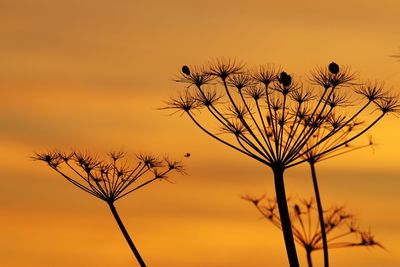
(110, 179)
(267, 115)
(314, 155)
(341, 227)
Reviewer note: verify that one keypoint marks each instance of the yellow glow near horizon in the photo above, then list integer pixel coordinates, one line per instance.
(91, 75)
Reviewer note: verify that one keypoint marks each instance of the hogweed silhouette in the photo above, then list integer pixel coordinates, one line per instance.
(314, 155)
(110, 179)
(341, 226)
(267, 115)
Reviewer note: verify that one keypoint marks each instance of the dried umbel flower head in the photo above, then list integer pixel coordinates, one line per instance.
(341, 226)
(316, 154)
(333, 76)
(388, 104)
(372, 91)
(275, 103)
(112, 178)
(285, 79)
(333, 68)
(186, 70)
(273, 118)
(223, 68)
(265, 74)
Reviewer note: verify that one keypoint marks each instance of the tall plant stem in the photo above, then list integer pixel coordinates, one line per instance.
(320, 212)
(126, 235)
(284, 215)
(309, 259)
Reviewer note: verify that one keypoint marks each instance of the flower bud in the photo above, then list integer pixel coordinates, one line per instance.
(186, 70)
(285, 79)
(333, 68)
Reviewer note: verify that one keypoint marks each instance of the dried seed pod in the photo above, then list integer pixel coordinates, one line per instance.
(285, 79)
(186, 70)
(333, 68)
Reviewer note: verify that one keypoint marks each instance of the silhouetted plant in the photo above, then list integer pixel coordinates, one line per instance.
(110, 179)
(314, 155)
(270, 117)
(341, 227)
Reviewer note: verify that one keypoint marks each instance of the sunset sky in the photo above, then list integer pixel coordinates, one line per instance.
(91, 75)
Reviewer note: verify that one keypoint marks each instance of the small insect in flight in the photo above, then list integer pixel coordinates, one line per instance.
(187, 155)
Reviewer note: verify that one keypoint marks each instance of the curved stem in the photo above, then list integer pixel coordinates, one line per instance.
(284, 215)
(320, 212)
(126, 235)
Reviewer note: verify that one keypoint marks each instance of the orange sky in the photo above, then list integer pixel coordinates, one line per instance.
(91, 75)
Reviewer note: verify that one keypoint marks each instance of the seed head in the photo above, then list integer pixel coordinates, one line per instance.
(389, 104)
(186, 70)
(342, 230)
(265, 74)
(270, 115)
(111, 178)
(223, 68)
(285, 79)
(333, 68)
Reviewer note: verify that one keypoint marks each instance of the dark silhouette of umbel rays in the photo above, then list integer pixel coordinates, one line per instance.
(341, 227)
(110, 179)
(267, 115)
(314, 155)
